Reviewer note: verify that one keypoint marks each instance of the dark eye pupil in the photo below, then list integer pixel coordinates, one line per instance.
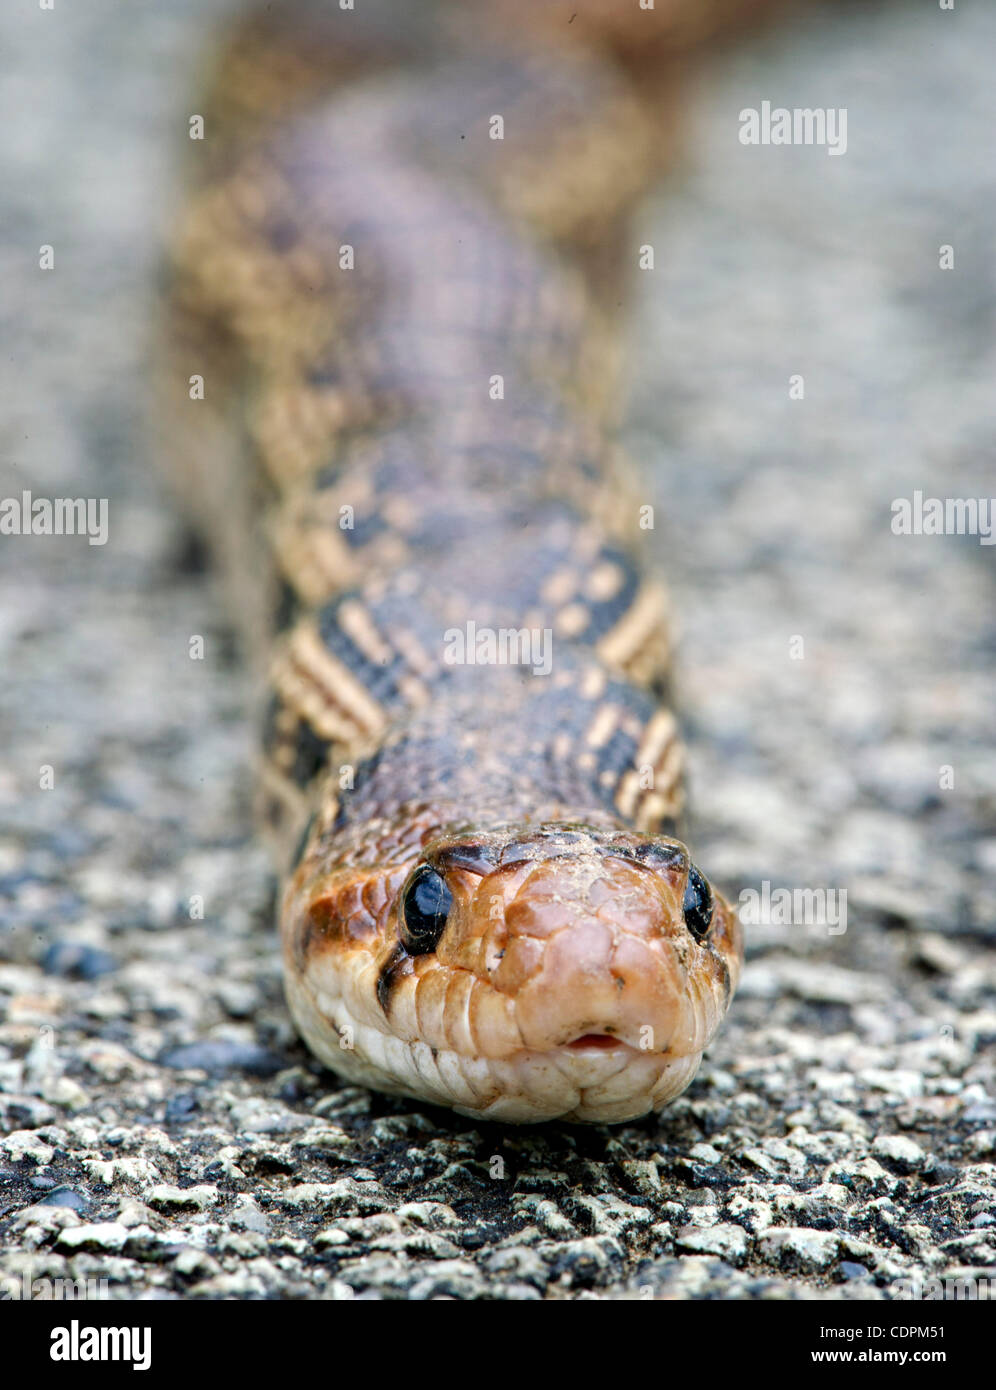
(697, 904)
(426, 906)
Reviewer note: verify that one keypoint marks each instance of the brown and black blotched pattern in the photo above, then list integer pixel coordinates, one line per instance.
(396, 279)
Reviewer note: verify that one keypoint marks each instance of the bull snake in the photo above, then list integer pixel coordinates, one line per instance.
(394, 283)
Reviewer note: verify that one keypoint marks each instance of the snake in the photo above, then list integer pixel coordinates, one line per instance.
(391, 398)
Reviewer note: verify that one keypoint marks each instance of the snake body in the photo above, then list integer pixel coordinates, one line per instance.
(387, 283)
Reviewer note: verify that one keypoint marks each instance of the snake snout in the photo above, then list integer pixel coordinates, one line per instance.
(593, 955)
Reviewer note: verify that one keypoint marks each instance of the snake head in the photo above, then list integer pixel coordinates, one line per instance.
(523, 972)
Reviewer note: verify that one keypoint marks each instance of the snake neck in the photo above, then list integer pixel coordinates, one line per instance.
(462, 612)
(501, 745)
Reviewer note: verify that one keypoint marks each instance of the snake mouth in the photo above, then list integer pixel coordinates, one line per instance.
(598, 1041)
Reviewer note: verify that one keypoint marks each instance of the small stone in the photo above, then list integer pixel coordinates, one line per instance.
(64, 1092)
(608, 1215)
(65, 1197)
(760, 1160)
(192, 1263)
(257, 1115)
(519, 1263)
(199, 1198)
(112, 1062)
(245, 1245)
(800, 1250)
(219, 1055)
(328, 1138)
(181, 1108)
(248, 1215)
(346, 1197)
(308, 1194)
(980, 1112)
(239, 998)
(938, 954)
(586, 1261)
(101, 1236)
(726, 1240)
(329, 1237)
(902, 1154)
(431, 1216)
(448, 1279)
(77, 961)
(644, 1174)
(547, 1215)
(903, 1083)
(24, 1112)
(139, 1171)
(982, 1143)
(24, 1144)
(542, 1180)
(38, 1227)
(132, 1213)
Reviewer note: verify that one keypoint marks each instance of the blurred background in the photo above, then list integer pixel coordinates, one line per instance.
(774, 524)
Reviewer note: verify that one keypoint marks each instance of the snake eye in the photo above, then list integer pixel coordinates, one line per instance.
(424, 909)
(697, 904)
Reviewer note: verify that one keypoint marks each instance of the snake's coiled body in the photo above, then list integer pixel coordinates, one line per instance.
(402, 452)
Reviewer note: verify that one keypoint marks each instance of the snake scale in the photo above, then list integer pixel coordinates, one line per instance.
(391, 366)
